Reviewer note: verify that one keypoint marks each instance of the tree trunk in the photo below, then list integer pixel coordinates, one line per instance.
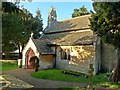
(115, 75)
(22, 47)
(20, 54)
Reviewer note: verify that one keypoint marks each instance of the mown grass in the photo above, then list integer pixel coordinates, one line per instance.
(58, 75)
(8, 66)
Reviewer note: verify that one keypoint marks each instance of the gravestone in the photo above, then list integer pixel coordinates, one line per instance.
(91, 70)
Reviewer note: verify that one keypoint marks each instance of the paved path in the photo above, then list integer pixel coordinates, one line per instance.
(10, 82)
(24, 74)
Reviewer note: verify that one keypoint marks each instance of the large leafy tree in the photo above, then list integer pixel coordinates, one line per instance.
(79, 12)
(17, 26)
(9, 20)
(8, 7)
(37, 25)
(9, 35)
(106, 24)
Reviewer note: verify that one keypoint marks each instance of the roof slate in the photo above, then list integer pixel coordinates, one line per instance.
(80, 22)
(70, 38)
(75, 31)
(42, 46)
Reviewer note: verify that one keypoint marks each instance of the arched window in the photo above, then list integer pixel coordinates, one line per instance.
(65, 54)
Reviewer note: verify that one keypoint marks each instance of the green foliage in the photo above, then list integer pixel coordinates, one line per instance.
(17, 25)
(79, 12)
(37, 25)
(110, 84)
(9, 7)
(11, 27)
(106, 22)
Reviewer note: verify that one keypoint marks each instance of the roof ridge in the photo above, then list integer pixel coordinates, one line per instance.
(40, 40)
(74, 18)
(80, 22)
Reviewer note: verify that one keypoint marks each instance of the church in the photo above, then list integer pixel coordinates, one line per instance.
(69, 45)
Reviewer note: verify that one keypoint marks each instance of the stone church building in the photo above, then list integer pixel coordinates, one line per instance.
(70, 45)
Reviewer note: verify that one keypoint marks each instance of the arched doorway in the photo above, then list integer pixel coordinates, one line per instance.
(34, 62)
(30, 53)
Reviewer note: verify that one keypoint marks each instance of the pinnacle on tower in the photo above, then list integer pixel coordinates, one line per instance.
(52, 16)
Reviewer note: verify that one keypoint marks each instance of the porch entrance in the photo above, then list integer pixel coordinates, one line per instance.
(30, 53)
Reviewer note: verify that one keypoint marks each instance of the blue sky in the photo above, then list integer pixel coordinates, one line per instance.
(64, 9)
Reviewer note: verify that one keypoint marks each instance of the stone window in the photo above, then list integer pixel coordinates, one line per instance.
(65, 54)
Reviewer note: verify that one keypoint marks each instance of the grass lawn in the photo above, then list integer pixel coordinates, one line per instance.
(56, 74)
(8, 66)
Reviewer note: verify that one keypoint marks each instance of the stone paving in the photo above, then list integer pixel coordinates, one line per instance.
(8, 82)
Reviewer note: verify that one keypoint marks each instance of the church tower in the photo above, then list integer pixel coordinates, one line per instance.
(52, 16)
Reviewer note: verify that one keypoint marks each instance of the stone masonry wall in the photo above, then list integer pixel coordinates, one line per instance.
(109, 57)
(80, 58)
(46, 61)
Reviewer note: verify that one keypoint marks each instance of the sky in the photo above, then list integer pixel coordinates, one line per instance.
(64, 9)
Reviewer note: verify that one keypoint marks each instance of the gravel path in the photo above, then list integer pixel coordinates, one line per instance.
(24, 74)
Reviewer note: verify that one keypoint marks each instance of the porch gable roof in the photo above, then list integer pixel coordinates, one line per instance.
(42, 46)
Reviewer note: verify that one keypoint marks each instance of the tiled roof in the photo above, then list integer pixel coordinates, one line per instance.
(81, 22)
(70, 38)
(42, 46)
(75, 31)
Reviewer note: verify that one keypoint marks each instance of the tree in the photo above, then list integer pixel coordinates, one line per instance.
(37, 25)
(8, 7)
(79, 12)
(17, 27)
(8, 22)
(75, 13)
(106, 24)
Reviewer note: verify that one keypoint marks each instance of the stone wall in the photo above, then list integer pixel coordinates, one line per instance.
(11, 61)
(109, 57)
(46, 61)
(80, 58)
(97, 63)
